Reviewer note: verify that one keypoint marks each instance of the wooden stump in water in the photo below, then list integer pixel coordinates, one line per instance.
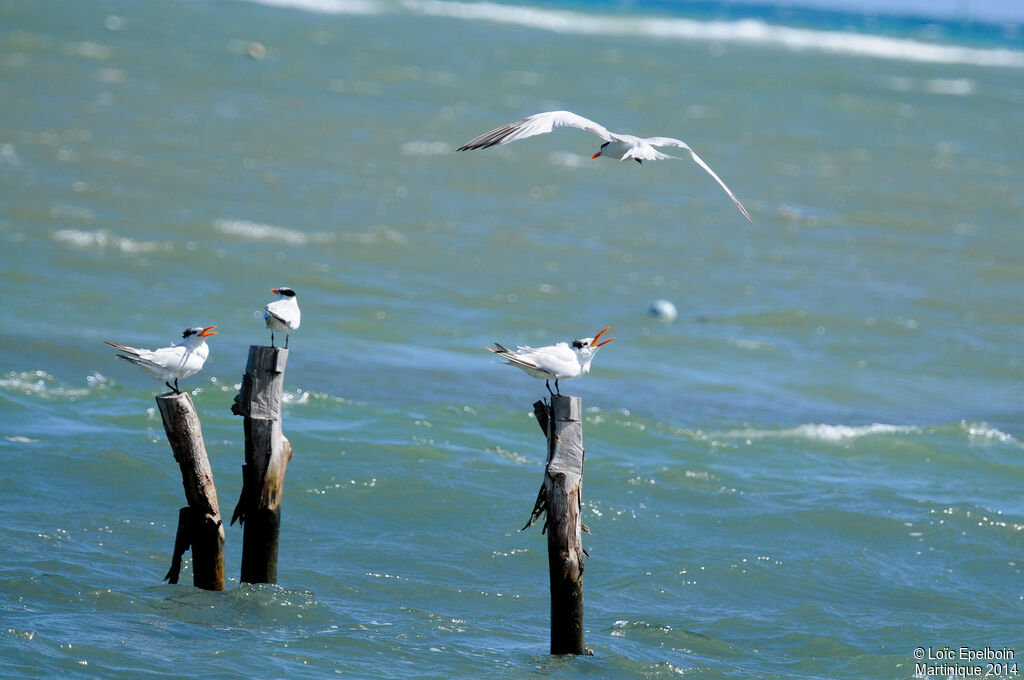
(560, 499)
(199, 524)
(267, 452)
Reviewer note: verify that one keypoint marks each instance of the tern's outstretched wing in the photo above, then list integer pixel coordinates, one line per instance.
(537, 124)
(669, 141)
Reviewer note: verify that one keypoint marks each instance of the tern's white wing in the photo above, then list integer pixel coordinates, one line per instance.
(125, 348)
(166, 363)
(558, 360)
(286, 312)
(554, 361)
(537, 124)
(143, 358)
(160, 364)
(520, 362)
(669, 141)
(177, 358)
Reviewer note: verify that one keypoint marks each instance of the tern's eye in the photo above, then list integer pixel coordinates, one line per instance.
(188, 332)
(579, 344)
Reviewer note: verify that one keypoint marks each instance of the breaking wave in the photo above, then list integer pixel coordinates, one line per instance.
(977, 432)
(755, 32)
(825, 433)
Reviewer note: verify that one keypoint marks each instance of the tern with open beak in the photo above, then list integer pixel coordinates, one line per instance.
(561, 361)
(180, 360)
(616, 146)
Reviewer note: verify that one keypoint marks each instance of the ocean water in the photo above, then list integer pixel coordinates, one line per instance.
(815, 471)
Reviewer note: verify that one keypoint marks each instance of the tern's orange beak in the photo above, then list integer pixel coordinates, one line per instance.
(275, 290)
(208, 331)
(592, 158)
(597, 344)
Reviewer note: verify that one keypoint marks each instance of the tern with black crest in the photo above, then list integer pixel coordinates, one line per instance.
(180, 360)
(561, 361)
(616, 146)
(282, 315)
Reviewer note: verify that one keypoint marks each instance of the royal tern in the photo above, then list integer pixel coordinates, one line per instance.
(561, 361)
(180, 360)
(282, 315)
(616, 146)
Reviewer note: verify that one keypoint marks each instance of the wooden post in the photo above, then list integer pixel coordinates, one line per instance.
(561, 500)
(199, 523)
(267, 452)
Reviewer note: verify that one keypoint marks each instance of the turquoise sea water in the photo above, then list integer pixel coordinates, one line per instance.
(814, 471)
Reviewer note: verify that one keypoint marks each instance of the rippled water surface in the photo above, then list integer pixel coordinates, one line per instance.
(813, 471)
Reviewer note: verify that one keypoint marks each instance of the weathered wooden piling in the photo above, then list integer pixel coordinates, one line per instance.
(199, 523)
(560, 499)
(267, 452)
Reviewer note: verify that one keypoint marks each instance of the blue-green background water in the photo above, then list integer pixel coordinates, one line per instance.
(815, 470)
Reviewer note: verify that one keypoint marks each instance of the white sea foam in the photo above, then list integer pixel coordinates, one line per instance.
(104, 239)
(744, 31)
(824, 432)
(838, 433)
(373, 236)
(329, 6)
(985, 432)
(268, 232)
(977, 432)
(40, 384)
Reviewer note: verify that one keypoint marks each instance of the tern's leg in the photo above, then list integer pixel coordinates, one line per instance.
(286, 341)
(170, 386)
(547, 385)
(557, 391)
(271, 338)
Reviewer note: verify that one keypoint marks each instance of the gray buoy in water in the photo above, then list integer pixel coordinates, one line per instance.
(664, 310)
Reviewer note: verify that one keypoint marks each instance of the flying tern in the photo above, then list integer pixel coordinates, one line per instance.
(561, 361)
(616, 146)
(180, 360)
(282, 315)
